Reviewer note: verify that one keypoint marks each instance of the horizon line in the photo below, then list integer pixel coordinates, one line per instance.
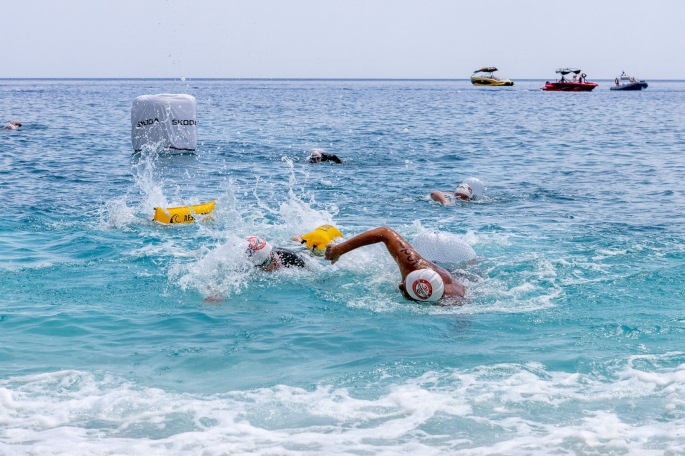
(279, 79)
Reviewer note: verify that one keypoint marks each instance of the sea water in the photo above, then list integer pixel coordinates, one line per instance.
(119, 335)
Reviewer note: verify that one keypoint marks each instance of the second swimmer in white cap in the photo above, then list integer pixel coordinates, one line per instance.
(268, 258)
(421, 280)
(470, 189)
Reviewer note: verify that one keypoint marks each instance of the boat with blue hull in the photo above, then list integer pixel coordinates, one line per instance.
(625, 82)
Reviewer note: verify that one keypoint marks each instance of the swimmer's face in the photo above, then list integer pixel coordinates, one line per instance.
(463, 192)
(403, 290)
(272, 263)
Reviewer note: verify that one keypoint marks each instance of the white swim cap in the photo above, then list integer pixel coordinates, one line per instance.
(258, 250)
(464, 190)
(424, 285)
(315, 153)
(477, 186)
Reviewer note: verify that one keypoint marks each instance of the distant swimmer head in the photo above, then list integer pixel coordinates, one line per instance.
(464, 191)
(424, 285)
(315, 156)
(258, 251)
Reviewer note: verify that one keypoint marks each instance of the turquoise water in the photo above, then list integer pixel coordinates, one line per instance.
(570, 339)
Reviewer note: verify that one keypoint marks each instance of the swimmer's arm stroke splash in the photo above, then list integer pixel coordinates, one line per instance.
(407, 259)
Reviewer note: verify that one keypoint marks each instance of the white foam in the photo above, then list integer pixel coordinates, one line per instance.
(515, 284)
(637, 407)
(220, 271)
(221, 268)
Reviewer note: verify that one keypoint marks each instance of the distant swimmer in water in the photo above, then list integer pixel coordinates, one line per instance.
(421, 279)
(268, 258)
(13, 125)
(318, 156)
(468, 190)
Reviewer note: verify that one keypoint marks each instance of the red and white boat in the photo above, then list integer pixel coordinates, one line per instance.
(577, 83)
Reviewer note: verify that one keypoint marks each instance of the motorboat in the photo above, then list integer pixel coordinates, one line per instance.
(486, 77)
(625, 82)
(577, 83)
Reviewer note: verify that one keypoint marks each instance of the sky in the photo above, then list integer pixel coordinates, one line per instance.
(423, 39)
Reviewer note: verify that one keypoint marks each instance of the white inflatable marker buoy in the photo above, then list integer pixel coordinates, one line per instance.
(441, 247)
(166, 121)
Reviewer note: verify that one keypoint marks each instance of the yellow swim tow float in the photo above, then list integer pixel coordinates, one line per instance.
(182, 214)
(317, 240)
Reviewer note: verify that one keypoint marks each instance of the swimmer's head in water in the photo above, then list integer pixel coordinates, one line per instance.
(463, 191)
(258, 251)
(423, 285)
(315, 155)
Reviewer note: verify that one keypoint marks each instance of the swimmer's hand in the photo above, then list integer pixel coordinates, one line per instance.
(441, 198)
(297, 239)
(331, 254)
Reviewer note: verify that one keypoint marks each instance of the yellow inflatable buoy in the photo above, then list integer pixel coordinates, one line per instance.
(182, 214)
(318, 239)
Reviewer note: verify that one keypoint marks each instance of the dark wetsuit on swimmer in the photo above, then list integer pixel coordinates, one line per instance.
(317, 156)
(288, 258)
(267, 258)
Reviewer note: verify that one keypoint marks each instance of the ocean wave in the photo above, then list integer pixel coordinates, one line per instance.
(634, 406)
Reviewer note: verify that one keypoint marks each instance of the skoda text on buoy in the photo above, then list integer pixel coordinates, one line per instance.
(166, 121)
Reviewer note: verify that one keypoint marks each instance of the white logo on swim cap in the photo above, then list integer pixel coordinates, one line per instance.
(424, 285)
(258, 250)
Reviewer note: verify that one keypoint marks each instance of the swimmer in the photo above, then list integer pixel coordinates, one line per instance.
(470, 189)
(268, 258)
(317, 156)
(265, 257)
(13, 125)
(421, 279)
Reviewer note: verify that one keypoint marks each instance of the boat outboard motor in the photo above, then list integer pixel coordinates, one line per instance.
(164, 121)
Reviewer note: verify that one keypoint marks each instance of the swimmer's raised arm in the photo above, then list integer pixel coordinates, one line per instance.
(407, 259)
(403, 253)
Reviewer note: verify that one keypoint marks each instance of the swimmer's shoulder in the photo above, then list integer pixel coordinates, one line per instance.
(330, 157)
(290, 258)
